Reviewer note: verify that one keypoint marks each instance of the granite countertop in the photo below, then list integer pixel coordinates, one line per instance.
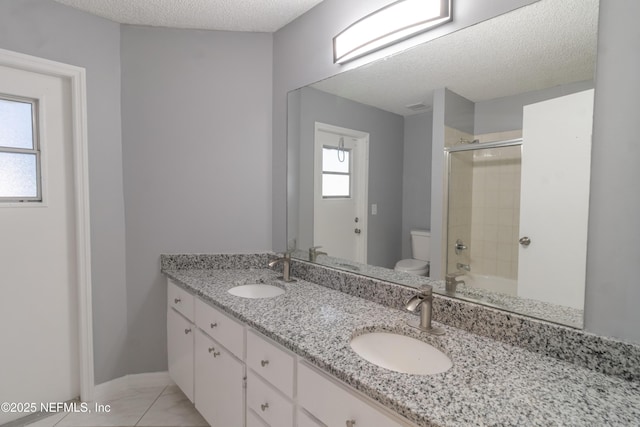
(490, 383)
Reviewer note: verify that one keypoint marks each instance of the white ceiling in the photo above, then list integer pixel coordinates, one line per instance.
(545, 44)
(227, 15)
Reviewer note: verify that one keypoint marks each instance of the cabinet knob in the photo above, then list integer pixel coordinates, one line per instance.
(264, 406)
(351, 423)
(264, 363)
(213, 351)
(176, 300)
(186, 331)
(214, 325)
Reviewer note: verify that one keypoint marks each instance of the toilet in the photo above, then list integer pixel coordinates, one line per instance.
(421, 251)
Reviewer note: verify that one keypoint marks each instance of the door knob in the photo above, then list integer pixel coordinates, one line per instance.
(525, 241)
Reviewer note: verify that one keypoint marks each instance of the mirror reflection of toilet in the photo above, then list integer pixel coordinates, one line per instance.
(421, 253)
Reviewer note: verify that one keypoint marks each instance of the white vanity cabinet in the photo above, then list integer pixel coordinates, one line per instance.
(270, 381)
(335, 405)
(239, 378)
(180, 338)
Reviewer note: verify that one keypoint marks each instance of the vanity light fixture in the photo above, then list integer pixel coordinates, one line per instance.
(391, 24)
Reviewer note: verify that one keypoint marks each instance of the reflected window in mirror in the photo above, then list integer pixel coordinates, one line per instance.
(336, 173)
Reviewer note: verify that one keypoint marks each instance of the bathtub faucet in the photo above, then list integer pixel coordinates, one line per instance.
(461, 266)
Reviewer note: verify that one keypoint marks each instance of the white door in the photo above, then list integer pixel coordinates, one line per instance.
(340, 192)
(39, 326)
(556, 161)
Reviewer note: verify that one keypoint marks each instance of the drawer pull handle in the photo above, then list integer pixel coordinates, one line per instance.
(177, 300)
(213, 350)
(186, 331)
(264, 406)
(264, 363)
(351, 423)
(213, 325)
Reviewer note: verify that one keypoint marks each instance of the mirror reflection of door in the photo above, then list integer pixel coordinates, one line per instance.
(556, 161)
(340, 192)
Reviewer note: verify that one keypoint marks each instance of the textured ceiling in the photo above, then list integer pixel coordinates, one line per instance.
(228, 15)
(545, 44)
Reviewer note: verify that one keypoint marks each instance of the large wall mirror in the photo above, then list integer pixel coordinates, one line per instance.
(466, 158)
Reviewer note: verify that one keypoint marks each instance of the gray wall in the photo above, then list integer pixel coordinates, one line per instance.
(613, 288)
(416, 177)
(386, 132)
(505, 114)
(459, 112)
(196, 108)
(50, 30)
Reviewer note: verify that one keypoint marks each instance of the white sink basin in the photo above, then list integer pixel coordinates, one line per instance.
(401, 353)
(257, 290)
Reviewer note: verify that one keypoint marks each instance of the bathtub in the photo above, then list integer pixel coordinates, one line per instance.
(491, 283)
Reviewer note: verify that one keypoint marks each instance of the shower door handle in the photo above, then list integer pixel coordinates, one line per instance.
(525, 241)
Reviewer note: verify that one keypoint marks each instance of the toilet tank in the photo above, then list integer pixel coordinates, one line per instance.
(421, 244)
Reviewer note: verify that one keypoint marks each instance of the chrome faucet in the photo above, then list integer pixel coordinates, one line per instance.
(314, 252)
(424, 300)
(461, 266)
(451, 283)
(286, 266)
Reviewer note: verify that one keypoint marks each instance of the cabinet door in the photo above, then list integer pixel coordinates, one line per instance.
(335, 405)
(180, 351)
(218, 384)
(254, 421)
(306, 420)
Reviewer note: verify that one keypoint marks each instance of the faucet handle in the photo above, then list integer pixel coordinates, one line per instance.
(425, 290)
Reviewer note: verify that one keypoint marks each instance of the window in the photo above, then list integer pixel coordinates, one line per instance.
(336, 173)
(19, 150)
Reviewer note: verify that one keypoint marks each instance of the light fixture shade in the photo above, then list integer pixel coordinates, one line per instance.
(391, 24)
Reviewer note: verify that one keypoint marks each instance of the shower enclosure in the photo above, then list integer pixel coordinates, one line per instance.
(484, 213)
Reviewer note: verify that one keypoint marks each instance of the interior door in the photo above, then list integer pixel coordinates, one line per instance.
(556, 161)
(340, 223)
(38, 308)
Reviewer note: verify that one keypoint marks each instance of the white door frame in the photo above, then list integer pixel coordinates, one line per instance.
(361, 177)
(77, 79)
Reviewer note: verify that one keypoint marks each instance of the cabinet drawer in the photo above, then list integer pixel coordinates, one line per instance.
(272, 363)
(275, 409)
(334, 404)
(180, 299)
(220, 327)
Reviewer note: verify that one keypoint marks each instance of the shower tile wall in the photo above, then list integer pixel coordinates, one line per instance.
(495, 212)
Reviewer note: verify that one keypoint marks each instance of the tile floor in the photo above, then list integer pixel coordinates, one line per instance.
(154, 406)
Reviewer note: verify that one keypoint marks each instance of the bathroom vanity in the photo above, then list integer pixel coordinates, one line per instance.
(287, 361)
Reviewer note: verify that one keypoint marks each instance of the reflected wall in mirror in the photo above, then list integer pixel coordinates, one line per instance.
(430, 115)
